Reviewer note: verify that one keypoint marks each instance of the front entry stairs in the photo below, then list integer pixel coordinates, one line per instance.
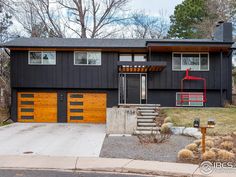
(146, 119)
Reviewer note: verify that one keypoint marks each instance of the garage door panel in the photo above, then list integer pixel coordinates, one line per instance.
(27, 113)
(42, 106)
(86, 107)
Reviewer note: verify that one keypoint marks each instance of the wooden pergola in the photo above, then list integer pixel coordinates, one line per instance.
(140, 67)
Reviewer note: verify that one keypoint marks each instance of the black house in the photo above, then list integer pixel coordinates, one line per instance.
(75, 80)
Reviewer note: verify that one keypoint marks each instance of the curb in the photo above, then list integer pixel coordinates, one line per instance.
(92, 164)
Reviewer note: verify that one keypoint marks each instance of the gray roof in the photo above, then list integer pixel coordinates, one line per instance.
(98, 43)
(75, 42)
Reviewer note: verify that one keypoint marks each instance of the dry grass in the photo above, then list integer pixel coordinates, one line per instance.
(4, 123)
(185, 154)
(224, 117)
(165, 128)
(224, 155)
(227, 145)
(3, 114)
(168, 120)
(192, 147)
(209, 155)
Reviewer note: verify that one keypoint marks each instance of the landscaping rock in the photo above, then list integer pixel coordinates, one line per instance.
(197, 135)
(169, 124)
(177, 130)
(194, 132)
(190, 131)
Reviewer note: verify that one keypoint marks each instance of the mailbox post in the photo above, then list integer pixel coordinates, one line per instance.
(203, 131)
(210, 124)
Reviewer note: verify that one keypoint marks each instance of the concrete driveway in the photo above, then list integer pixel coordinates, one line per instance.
(52, 139)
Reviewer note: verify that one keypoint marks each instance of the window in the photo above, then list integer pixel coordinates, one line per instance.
(143, 89)
(87, 58)
(125, 57)
(140, 57)
(190, 61)
(189, 99)
(176, 62)
(42, 58)
(193, 61)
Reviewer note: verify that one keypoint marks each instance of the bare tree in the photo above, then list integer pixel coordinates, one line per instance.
(144, 26)
(38, 18)
(90, 18)
(217, 10)
(5, 23)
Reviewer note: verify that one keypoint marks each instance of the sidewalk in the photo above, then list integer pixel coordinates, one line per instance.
(104, 165)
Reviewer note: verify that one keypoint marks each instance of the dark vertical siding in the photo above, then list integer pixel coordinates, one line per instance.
(167, 98)
(14, 105)
(64, 74)
(168, 79)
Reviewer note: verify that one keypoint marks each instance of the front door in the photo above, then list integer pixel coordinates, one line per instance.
(132, 88)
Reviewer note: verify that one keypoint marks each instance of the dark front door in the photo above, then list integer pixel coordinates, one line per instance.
(133, 89)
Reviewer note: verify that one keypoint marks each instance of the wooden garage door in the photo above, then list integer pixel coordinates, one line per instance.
(86, 107)
(37, 107)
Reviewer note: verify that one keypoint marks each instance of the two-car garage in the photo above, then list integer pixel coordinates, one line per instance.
(43, 107)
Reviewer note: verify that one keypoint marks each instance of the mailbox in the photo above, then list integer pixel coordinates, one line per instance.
(196, 123)
(211, 123)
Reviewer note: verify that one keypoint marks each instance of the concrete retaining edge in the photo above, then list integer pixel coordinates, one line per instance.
(100, 165)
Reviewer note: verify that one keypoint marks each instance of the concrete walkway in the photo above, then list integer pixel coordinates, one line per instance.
(52, 139)
(104, 165)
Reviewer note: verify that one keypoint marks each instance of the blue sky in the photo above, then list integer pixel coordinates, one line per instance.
(153, 7)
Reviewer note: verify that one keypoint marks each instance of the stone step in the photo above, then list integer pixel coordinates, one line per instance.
(149, 114)
(148, 128)
(145, 120)
(154, 108)
(146, 124)
(147, 132)
(141, 105)
(146, 117)
(140, 110)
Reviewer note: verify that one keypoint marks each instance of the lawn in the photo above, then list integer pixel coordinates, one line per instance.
(225, 118)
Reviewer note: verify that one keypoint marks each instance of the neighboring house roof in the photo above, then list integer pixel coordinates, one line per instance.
(102, 43)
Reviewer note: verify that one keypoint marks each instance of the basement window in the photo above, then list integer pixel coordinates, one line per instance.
(87, 58)
(193, 61)
(189, 99)
(42, 58)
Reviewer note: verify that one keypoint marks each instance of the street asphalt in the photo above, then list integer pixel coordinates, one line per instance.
(40, 173)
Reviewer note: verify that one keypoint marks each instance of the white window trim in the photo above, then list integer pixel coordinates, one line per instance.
(42, 58)
(126, 54)
(188, 102)
(145, 57)
(181, 53)
(87, 59)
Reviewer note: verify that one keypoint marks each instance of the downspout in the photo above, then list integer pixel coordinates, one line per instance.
(221, 77)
